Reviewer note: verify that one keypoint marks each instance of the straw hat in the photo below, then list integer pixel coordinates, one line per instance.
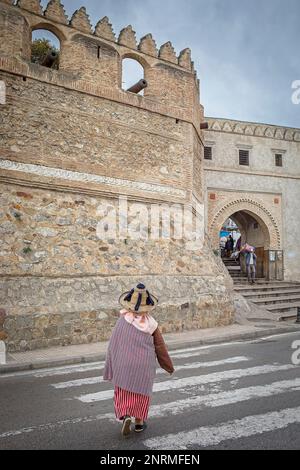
(138, 300)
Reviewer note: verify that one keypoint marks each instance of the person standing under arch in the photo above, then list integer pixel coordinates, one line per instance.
(229, 246)
(251, 265)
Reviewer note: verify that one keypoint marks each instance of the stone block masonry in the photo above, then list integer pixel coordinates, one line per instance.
(72, 140)
(61, 283)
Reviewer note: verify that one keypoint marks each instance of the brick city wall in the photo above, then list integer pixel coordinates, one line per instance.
(72, 140)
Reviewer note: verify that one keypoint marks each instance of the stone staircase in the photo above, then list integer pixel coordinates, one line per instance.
(279, 297)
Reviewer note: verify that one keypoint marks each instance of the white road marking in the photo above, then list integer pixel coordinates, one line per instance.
(212, 435)
(73, 370)
(194, 365)
(209, 346)
(56, 424)
(178, 353)
(230, 397)
(77, 368)
(176, 407)
(279, 335)
(63, 370)
(229, 360)
(241, 342)
(195, 380)
(191, 354)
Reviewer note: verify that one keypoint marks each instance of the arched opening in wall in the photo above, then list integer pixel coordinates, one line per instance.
(132, 73)
(45, 48)
(244, 227)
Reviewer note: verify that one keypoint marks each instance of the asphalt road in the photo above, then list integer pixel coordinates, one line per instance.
(241, 395)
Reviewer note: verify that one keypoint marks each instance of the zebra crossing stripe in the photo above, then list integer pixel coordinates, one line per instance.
(176, 407)
(210, 346)
(70, 369)
(193, 365)
(55, 425)
(198, 349)
(195, 380)
(190, 354)
(53, 371)
(206, 436)
(198, 365)
(178, 354)
(229, 397)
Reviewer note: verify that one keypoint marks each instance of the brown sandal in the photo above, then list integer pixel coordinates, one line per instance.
(126, 426)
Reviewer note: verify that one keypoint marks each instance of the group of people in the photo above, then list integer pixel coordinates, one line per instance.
(227, 246)
(230, 249)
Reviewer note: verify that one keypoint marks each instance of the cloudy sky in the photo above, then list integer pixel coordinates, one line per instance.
(246, 52)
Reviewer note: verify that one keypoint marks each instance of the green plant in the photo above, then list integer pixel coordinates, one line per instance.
(27, 250)
(39, 50)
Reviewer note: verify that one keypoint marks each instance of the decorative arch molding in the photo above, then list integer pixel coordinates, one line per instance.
(256, 129)
(48, 26)
(255, 208)
(141, 68)
(137, 57)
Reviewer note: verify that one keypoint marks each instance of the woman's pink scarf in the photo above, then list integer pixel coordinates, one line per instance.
(143, 322)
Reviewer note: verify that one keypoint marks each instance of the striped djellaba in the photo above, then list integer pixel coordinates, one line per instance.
(131, 404)
(131, 367)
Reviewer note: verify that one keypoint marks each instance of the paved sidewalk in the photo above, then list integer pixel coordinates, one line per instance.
(75, 354)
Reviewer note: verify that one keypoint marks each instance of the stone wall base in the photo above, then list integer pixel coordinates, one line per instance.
(43, 312)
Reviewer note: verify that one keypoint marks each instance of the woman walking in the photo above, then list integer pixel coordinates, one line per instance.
(135, 344)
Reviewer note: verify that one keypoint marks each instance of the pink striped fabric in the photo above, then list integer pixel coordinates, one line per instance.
(131, 404)
(131, 359)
